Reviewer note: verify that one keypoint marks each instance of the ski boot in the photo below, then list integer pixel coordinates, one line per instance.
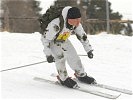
(86, 79)
(68, 82)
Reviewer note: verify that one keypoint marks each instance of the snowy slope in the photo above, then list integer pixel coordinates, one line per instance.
(112, 65)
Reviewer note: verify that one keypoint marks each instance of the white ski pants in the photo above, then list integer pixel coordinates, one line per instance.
(64, 52)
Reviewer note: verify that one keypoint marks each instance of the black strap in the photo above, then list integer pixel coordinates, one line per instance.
(61, 24)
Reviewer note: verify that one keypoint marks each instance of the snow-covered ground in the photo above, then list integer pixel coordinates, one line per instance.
(112, 65)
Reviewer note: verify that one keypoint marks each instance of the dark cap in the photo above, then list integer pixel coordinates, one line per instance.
(73, 13)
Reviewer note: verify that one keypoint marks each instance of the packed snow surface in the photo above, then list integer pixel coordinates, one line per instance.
(111, 65)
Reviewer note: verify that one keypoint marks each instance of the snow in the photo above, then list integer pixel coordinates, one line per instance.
(45, 4)
(111, 65)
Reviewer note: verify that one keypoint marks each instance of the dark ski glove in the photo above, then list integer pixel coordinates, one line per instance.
(50, 59)
(90, 54)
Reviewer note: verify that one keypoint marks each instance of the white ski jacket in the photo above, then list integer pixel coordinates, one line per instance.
(49, 36)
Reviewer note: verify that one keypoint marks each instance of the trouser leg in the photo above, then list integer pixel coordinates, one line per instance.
(73, 59)
(59, 61)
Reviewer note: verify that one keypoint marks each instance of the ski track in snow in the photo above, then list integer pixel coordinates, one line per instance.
(111, 65)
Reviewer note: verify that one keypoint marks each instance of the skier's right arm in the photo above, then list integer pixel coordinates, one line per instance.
(48, 37)
(46, 44)
(47, 50)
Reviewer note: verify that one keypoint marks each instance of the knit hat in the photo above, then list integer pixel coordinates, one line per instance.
(73, 13)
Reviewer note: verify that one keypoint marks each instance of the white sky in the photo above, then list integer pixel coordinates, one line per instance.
(124, 7)
(45, 4)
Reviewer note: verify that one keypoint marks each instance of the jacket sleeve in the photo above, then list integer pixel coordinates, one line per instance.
(48, 37)
(46, 44)
(82, 37)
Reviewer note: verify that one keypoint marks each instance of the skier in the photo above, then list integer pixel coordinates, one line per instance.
(58, 48)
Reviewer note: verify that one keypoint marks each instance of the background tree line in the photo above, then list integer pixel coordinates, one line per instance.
(22, 16)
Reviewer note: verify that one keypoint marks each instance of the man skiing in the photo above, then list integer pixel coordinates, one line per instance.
(58, 48)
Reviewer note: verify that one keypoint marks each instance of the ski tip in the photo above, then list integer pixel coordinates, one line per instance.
(54, 75)
(36, 78)
(130, 93)
(115, 97)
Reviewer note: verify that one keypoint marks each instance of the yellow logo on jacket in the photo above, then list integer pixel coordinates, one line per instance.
(63, 37)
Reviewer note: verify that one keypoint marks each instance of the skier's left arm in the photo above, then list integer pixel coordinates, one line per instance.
(82, 37)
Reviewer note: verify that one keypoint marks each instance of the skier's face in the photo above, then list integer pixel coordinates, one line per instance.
(74, 22)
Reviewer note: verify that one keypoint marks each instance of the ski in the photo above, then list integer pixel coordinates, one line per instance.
(121, 90)
(125, 91)
(94, 92)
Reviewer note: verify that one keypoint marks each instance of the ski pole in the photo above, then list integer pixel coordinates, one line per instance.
(28, 65)
(22, 66)
(82, 55)
(43, 58)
